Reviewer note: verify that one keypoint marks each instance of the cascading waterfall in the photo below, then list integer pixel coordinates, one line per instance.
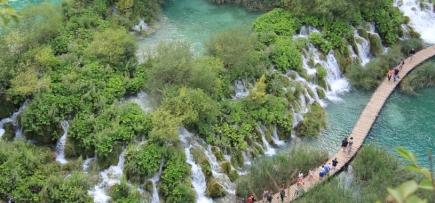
(86, 163)
(422, 16)
(155, 179)
(275, 137)
(363, 48)
(60, 145)
(143, 100)
(108, 178)
(141, 26)
(220, 177)
(268, 151)
(13, 120)
(241, 89)
(198, 179)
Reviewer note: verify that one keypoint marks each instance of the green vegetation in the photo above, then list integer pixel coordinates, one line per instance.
(375, 71)
(375, 170)
(313, 122)
(29, 174)
(421, 77)
(7, 13)
(279, 169)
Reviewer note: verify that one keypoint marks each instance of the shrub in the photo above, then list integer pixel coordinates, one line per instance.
(318, 40)
(375, 44)
(313, 121)
(410, 43)
(421, 77)
(279, 169)
(278, 21)
(285, 56)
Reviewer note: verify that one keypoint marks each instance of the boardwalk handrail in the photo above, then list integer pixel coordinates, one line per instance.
(363, 125)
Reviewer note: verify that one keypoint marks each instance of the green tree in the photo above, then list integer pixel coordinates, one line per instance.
(112, 46)
(171, 65)
(243, 56)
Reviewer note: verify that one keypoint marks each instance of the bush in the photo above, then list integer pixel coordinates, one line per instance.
(410, 43)
(279, 169)
(375, 169)
(313, 122)
(375, 44)
(422, 76)
(285, 56)
(278, 21)
(318, 40)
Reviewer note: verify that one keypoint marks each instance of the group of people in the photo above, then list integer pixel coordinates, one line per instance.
(346, 145)
(395, 72)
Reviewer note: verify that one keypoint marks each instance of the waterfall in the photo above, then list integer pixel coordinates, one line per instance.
(13, 120)
(108, 178)
(275, 137)
(86, 163)
(143, 100)
(217, 172)
(141, 26)
(240, 87)
(422, 19)
(269, 151)
(352, 54)
(198, 179)
(154, 180)
(246, 158)
(60, 145)
(363, 48)
(346, 177)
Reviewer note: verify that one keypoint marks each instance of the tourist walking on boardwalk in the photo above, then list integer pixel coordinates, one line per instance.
(334, 164)
(282, 193)
(326, 167)
(411, 54)
(349, 146)
(396, 74)
(301, 177)
(401, 63)
(344, 143)
(297, 188)
(270, 196)
(311, 175)
(265, 194)
(321, 172)
(389, 74)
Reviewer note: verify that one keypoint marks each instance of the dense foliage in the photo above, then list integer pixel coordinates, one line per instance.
(421, 77)
(375, 169)
(280, 169)
(29, 174)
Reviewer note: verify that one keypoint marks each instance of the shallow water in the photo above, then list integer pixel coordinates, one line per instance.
(195, 21)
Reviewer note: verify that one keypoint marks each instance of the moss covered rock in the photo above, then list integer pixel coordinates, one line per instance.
(9, 132)
(253, 152)
(375, 45)
(149, 186)
(363, 33)
(313, 121)
(233, 175)
(407, 19)
(321, 93)
(226, 167)
(237, 158)
(214, 190)
(111, 159)
(218, 154)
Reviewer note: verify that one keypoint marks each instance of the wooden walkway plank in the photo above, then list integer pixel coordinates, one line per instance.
(362, 126)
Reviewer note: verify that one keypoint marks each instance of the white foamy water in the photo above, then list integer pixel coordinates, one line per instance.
(268, 150)
(13, 120)
(86, 163)
(241, 89)
(143, 100)
(155, 179)
(363, 48)
(60, 145)
(422, 19)
(108, 178)
(275, 137)
(142, 26)
(198, 179)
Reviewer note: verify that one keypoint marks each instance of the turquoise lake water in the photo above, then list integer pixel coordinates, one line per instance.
(405, 120)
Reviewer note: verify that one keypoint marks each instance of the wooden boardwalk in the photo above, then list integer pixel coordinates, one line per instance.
(362, 126)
